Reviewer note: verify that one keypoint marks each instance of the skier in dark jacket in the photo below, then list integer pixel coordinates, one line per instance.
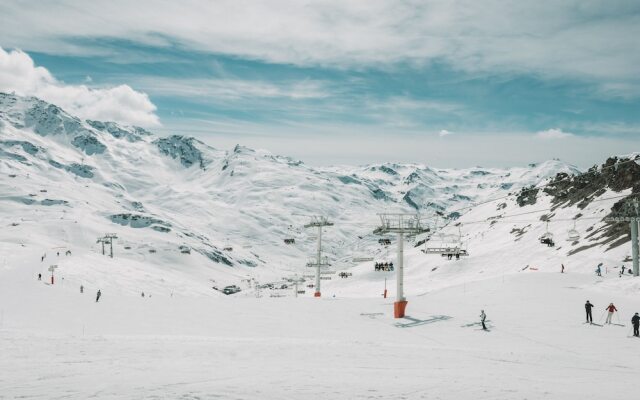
(98, 295)
(39, 277)
(588, 306)
(483, 318)
(635, 321)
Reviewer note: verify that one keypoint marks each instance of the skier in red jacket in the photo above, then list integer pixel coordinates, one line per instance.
(611, 308)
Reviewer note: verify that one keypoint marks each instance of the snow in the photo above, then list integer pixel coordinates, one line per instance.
(186, 340)
(59, 343)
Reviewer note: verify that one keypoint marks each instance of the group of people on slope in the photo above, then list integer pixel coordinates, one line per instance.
(611, 309)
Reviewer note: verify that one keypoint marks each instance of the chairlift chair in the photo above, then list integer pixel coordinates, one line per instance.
(573, 234)
(547, 237)
(447, 248)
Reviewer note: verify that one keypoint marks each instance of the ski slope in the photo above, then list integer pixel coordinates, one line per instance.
(58, 343)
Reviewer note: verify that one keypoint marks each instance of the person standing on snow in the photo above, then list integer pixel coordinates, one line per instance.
(635, 321)
(598, 270)
(483, 318)
(611, 308)
(588, 306)
(81, 289)
(98, 295)
(39, 277)
(562, 268)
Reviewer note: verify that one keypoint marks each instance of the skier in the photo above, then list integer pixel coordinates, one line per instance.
(611, 308)
(635, 321)
(598, 270)
(142, 294)
(81, 289)
(562, 268)
(483, 318)
(39, 277)
(98, 295)
(623, 270)
(588, 306)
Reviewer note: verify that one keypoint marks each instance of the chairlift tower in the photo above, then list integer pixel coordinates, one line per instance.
(107, 239)
(318, 222)
(633, 220)
(400, 224)
(110, 237)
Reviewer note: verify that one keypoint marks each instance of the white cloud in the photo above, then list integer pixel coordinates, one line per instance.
(19, 74)
(236, 89)
(554, 133)
(569, 38)
(444, 133)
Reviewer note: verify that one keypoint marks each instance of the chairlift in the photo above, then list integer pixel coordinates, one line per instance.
(547, 237)
(227, 246)
(573, 233)
(383, 266)
(289, 241)
(452, 248)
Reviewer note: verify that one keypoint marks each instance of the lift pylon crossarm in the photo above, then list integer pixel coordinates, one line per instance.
(318, 221)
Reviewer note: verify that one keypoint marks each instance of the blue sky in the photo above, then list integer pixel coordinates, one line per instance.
(448, 84)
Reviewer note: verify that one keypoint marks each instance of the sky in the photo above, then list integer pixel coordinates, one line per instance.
(444, 83)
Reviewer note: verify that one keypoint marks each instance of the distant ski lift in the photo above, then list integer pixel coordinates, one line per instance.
(573, 233)
(384, 241)
(547, 237)
(289, 241)
(384, 266)
(227, 248)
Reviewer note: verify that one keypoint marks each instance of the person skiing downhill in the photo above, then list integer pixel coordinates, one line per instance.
(588, 306)
(611, 308)
(635, 321)
(483, 318)
(98, 295)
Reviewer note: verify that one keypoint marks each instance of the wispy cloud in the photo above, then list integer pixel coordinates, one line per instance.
(19, 74)
(554, 133)
(235, 89)
(570, 38)
(444, 133)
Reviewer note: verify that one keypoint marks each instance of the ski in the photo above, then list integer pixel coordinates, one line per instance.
(474, 324)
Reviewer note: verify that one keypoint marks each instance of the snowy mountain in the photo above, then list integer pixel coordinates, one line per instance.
(186, 213)
(189, 217)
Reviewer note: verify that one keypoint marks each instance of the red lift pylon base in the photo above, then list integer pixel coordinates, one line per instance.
(398, 308)
(316, 294)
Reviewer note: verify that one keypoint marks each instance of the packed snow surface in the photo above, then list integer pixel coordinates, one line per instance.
(58, 343)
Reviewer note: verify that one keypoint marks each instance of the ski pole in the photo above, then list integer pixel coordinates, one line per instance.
(602, 316)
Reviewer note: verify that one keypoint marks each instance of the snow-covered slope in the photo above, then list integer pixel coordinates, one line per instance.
(186, 213)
